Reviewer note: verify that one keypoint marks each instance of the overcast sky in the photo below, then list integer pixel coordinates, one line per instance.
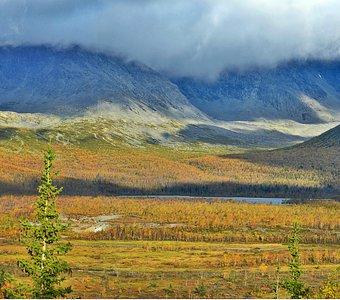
(182, 37)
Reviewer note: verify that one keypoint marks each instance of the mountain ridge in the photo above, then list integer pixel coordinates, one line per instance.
(73, 87)
(43, 79)
(304, 91)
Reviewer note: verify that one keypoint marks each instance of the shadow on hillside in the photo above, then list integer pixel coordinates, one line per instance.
(323, 160)
(7, 133)
(217, 135)
(78, 187)
(210, 134)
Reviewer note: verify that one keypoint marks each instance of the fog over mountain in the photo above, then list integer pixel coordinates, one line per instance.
(197, 38)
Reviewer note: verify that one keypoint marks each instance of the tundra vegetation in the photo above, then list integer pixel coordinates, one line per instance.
(94, 167)
(175, 247)
(183, 247)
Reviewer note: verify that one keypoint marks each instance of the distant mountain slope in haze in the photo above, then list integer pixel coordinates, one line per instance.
(307, 92)
(68, 81)
(330, 138)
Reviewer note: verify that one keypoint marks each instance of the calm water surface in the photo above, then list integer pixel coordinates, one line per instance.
(245, 199)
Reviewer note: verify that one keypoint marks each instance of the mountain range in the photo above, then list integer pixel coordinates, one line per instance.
(113, 118)
(48, 87)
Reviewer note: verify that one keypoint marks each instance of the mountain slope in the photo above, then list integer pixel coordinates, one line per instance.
(329, 139)
(79, 94)
(318, 156)
(307, 92)
(68, 81)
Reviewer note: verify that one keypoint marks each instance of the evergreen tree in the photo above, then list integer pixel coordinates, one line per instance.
(293, 283)
(41, 238)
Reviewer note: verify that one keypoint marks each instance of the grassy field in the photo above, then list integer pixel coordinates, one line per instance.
(151, 248)
(140, 269)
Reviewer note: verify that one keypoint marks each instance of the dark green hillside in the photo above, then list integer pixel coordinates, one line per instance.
(330, 138)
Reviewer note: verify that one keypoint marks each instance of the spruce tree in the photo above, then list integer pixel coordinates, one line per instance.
(41, 238)
(293, 283)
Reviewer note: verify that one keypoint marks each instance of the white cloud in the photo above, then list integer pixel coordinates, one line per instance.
(182, 37)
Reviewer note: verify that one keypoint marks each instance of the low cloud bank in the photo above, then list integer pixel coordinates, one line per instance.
(184, 38)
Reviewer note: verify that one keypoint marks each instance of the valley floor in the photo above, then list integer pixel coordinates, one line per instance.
(148, 269)
(182, 248)
(175, 247)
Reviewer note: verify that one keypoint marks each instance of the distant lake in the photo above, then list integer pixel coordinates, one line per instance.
(243, 199)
